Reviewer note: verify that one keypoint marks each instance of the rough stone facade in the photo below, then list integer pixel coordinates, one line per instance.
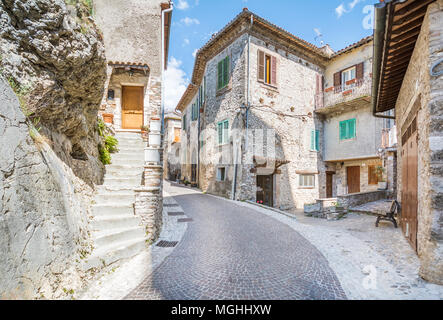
(171, 152)
(132, 37)
(421, 96)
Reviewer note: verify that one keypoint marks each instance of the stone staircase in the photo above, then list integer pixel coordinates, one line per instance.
(117, 232)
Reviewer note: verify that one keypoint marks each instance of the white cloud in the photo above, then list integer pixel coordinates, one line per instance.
(317, 32)
(340, 10)
(176, 83)
(182, 5)
(185, 42)
(194, 54)
(189, 21)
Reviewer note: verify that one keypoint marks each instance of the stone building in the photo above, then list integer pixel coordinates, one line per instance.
(408, 78)
(136, 46)
(171, 146)
(352, 136)
(297, 102)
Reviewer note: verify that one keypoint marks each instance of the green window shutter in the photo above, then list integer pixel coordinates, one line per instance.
(317, 140)
(184, 122)
(351, 128)
(312, 139)
(343, 130)
(220, 75)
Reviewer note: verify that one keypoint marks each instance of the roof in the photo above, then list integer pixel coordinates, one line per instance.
(221, 39)
(397, 27)
(353, 46)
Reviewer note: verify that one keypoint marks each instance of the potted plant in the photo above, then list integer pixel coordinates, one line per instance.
(145, 132)
(382, 184)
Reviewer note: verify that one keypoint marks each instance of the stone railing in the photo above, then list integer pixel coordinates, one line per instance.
(353, 89)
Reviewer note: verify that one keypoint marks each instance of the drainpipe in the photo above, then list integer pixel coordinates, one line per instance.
(163, 68)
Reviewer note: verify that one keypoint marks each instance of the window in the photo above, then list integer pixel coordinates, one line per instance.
(223, 73)
(111, 94)
(307, 180)
(194, 112)
(223, 132)
(267, 68)
(347, 129)
(184, 122)
(221, 174)
(347, 75)
(177, 134)
(315, 142)
(372, 175)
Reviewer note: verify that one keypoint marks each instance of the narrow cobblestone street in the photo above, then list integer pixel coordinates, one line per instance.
(233, 252)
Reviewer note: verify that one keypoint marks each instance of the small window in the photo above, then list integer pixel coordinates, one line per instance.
(194, 111)
(347, 129)
(184, 122)
(223, 73)
(372, 175)
(315, 140)
(307, 180)
(111, 94)
(177, 133)
(223, 132)
(221, 174)
(267, 68)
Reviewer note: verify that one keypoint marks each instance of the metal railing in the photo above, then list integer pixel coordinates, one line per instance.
(353, 89)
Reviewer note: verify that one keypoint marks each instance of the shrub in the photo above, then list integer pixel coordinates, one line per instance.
(111, 144)
(105, 156)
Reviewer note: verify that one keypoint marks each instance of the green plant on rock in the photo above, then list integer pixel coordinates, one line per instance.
(105, 156)
(101, 127)
(111, 144)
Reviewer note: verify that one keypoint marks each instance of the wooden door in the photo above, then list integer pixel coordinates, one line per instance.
(409, 199)
(329, 176)
(353, 179)
(132, 107)
(265, 190)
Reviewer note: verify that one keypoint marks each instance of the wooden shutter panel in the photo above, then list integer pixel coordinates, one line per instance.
(274, 71)
(337, 79)
(343, 127)
(220, 75)
(220, 133)
(312, 139)
(317, 140)
(359, 74)
(226, 72)
(351, 128)
(261, 66)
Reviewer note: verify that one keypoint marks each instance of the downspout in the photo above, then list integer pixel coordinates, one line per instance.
(380, 13)
(163, 64)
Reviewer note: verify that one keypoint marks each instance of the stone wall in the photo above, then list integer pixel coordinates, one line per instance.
(44, 209)
(420, 95)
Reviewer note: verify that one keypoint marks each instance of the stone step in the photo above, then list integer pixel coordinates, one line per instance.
(124, 173)
(101, 223)
(132, 163)
(118, 251)
(131, 149)
(108, 237)
(122, 181)
(112, 209)
(128, 156)
(115, 189)
(115, 197)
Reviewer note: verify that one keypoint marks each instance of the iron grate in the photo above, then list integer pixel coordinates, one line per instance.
(167, 244)
(185, 220)
(176, 213)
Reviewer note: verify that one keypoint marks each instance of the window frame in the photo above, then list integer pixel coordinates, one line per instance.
(301, 181)
(218, 179)
(224, 132)
(348, 70)
(184, 122)
(315, 140)
(267, 72)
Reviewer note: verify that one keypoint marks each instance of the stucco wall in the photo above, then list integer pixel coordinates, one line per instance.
(364, 145)
(421, 90)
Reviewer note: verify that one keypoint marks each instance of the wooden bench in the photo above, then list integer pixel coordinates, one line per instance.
(389, 216)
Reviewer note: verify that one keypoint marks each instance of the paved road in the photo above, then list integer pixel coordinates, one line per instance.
(232, 252)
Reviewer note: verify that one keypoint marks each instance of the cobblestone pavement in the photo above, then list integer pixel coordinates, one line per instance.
(234, 252)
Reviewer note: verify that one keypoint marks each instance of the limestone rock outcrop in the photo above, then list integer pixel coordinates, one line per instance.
(53, 56)
(44, 228)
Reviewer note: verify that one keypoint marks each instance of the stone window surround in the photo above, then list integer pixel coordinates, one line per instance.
(300, 175)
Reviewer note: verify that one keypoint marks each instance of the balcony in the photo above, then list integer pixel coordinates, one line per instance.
(354, 93)
(389, 138)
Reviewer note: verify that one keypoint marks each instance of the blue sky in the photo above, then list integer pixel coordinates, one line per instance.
(339, 22)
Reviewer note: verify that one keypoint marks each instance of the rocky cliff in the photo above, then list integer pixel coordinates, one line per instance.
(53, 56)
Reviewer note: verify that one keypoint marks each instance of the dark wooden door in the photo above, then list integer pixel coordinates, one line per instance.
(353, 179)
(409, 199)
(193, 173)
(329, 176)
(265, 190)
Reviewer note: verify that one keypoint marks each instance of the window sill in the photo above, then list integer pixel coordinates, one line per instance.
(268, 86)
(222, 91)
(306, 188)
